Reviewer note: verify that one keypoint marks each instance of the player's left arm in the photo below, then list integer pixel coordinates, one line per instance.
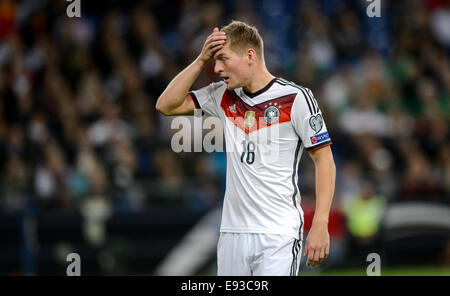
(317, 245)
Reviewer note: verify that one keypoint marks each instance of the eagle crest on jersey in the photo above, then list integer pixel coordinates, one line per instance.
(272, 114)
(316, 123)
(249, 120)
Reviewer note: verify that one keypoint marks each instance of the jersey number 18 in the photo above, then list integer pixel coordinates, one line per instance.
(249, 149)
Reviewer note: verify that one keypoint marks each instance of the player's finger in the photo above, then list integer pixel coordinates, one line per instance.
(308, 262)
(215, 49)
(308, 254)
(316, 255)
(311, 263)
(305, 254)
(212, 50)
(209, 37)
(311, 254)
(218, 37)
(216, 34)
(322, 256)
(219, 34)
(217, 31)
(215, 43)
(213, 39)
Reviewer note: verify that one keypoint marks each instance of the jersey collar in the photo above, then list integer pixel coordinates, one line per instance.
(265, 88)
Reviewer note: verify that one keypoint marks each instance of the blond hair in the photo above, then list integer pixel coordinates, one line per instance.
(242, 36)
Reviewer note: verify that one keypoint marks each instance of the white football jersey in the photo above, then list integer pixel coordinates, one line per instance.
(265, 134)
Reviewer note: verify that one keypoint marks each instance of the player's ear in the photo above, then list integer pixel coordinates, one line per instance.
(251, 56)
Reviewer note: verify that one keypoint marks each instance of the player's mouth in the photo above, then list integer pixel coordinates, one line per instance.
(226, 79)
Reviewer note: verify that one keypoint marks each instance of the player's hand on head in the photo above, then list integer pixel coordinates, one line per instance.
(317, 245)
(213, 43)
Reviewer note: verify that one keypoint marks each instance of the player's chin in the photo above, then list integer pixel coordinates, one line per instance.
(230, 86)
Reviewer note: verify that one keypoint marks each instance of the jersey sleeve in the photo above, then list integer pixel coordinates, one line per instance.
(308, 121)
(208, 98)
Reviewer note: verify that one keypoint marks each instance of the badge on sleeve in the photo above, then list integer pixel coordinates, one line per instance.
(320, 138)
(316, 123)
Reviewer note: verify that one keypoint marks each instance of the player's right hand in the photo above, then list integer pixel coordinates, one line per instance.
(213, 43)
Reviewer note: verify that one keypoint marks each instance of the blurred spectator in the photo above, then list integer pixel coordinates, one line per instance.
(363, 215)
(419, 181)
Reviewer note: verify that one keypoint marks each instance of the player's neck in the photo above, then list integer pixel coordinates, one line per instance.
(259, 80)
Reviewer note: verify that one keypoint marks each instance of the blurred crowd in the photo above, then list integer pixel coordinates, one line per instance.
(77, 99)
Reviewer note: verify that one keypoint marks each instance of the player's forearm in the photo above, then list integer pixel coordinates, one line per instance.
(175, 93)
(325, 184)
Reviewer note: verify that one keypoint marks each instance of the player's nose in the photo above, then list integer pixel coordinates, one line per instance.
(218, 68)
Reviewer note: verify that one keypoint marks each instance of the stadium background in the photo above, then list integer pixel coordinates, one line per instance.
(86, 164)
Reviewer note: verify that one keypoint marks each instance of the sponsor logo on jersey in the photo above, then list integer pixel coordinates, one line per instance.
(316, 123)
(249, 120)
(320, 138)
(271, 114)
